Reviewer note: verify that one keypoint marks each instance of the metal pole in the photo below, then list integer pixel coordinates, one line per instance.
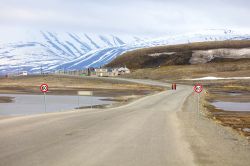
(197, 112)
(198, 103)
(91, 102)
(78, 102)
(45, 107)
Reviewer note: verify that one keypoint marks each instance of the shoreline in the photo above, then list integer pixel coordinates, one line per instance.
(118, 101)
(120, 91)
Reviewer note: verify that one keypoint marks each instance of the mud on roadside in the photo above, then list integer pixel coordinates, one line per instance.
(6, 99)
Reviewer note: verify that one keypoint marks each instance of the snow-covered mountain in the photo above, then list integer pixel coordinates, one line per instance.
(69, 51)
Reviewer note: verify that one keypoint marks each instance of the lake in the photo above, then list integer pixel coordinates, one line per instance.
(232, 106)
(25, 104)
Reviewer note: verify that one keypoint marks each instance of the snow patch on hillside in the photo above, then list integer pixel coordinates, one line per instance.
(204, 56)
(219, 78)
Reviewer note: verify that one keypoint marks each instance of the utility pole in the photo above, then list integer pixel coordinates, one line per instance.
(18, 70)
(41, 69)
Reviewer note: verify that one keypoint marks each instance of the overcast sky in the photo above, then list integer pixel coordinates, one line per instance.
(129, 17)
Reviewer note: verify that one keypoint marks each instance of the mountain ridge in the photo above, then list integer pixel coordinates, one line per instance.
(70, 51)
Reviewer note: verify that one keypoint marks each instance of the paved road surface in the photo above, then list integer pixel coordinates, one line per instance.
(143, 133)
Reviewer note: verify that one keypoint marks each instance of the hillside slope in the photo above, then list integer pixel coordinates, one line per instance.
(52, 51)
(184, 54)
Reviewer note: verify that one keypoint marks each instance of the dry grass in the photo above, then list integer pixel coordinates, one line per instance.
(65, 82)
(68, 85)
(223, 69)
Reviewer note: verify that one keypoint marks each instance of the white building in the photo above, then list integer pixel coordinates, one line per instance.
(111, 72)
(123, 70)
(23, 73)
(102, 72)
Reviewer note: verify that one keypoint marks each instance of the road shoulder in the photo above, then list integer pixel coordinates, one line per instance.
(211, 143)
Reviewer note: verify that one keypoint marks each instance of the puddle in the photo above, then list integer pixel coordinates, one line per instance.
(234, 94)
(24, 104)
(246, 130)
(232, 106)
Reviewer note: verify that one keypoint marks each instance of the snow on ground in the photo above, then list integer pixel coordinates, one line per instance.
(219, 78)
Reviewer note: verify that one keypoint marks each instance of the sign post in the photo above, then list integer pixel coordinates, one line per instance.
(78, 101)
(198, 89)
(45, 106)
(44, 88)
(84, 93)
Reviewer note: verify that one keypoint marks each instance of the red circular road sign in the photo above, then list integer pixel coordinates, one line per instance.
(44, 88)
(198, 88)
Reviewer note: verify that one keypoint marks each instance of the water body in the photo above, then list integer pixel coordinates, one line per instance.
(34, 104)
(232, 106)
(234, 94)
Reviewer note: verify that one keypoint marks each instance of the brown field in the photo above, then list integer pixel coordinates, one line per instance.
(177, 72)
(60, 82)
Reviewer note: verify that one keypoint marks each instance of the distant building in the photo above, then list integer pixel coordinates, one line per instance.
(100, 72)
(72, 72)
(59, 72)
(23, 73)
(111, 72)
(123, 70)
(91, 71)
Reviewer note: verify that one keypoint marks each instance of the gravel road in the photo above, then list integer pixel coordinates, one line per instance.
(145, 132)
(158, 130)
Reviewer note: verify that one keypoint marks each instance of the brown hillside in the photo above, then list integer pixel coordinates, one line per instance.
(171, 54)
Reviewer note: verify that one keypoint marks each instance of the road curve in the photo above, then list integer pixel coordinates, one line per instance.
(143, 133)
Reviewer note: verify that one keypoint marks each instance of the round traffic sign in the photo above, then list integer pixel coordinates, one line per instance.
(198, 88)
(44, 88)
